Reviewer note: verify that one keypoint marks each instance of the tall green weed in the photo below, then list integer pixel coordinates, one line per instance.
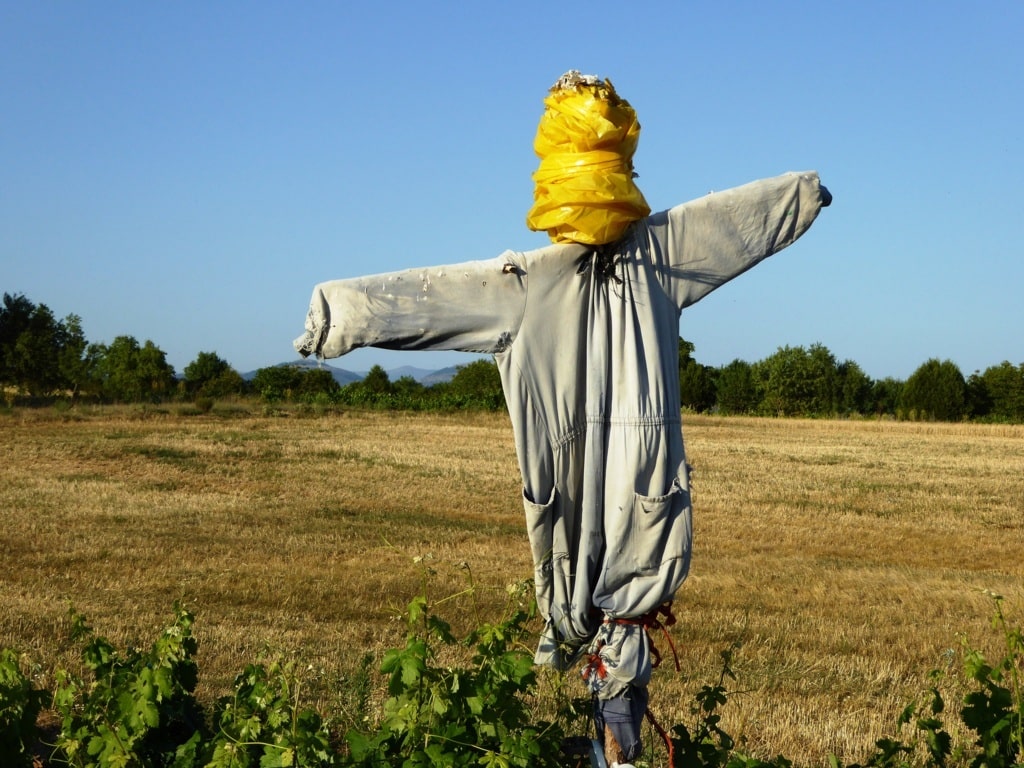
(20, 705)
(450, 701)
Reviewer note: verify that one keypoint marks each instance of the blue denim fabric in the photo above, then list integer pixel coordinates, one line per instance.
(623, 714)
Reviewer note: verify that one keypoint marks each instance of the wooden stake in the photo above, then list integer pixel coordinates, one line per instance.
(612, 751)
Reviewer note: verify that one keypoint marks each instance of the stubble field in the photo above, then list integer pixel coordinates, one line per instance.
(845, 559)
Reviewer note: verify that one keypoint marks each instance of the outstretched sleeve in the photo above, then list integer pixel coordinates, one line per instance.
(705, 243)
(472, 307)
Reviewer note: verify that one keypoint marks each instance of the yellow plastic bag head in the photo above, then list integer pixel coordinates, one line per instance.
(584, 190)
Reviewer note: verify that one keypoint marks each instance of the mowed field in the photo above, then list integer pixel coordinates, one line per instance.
(844, 559)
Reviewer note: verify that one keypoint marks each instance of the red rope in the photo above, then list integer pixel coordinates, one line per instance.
(664, 737)
(651, 621)
(595, 665)
(648, 621)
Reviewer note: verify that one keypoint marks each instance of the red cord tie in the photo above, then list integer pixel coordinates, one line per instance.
(595, 665)
(664, 736)
(651, 621)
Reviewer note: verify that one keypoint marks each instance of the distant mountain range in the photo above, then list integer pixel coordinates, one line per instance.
(422, 375)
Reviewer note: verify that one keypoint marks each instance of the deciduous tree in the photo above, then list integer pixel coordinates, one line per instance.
(132, 373)
(76, 358)
(854, 389)
(478, 383)
(936, 390)
(1004, 386)
(696, 381)
(736, 390)
(40, 355)
(798, 382)
(209, 375)
(885, 395)
(289, 382)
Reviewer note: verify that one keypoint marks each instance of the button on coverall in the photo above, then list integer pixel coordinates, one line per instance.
(586, 341)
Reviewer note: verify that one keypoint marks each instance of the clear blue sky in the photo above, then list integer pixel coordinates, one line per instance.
(186, 172)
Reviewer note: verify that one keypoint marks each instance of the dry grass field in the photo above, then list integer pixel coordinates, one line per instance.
(845, 559)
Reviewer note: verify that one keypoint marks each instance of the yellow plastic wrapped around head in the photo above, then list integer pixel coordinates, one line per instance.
(584, 190)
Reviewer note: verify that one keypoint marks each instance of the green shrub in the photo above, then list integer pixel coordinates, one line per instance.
(20, 705)
(139, 709)
(992, 711)
(261, 724)
(458, 715)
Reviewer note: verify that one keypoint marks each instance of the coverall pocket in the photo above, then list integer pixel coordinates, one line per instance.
(540, 529)
(653, 536)
(652, 519)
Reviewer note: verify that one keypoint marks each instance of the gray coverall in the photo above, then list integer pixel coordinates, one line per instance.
(586, 341)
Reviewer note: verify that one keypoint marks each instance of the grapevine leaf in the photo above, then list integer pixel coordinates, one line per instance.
(277, 757)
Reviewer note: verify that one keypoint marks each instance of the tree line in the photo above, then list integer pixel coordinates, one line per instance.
(44, 359)
(810, 382)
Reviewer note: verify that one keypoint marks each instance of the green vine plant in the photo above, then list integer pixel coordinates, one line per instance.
(706, 744)
(262, 723)
(20, 705)
(451, 701)
(139, 708)
(475, 714)
(992, 711)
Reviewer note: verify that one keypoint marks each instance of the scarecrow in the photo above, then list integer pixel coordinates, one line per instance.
(585, 335)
